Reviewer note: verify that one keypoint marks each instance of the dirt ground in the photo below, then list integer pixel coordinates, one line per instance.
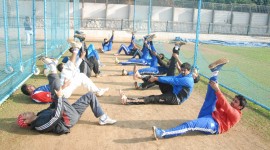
(133, 129)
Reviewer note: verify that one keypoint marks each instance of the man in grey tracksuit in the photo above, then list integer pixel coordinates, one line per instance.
(61, 115)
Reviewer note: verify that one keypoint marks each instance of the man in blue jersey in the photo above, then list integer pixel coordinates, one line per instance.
(129, 50)
(107, 45)
(175, 89)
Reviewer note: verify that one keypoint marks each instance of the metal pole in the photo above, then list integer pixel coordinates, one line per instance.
(6, 31)
(34, 35)
(134, 15)
(45, 28)
(197, 33)
(68, 17)
(149, 16)
(74, 16)
(19, 33)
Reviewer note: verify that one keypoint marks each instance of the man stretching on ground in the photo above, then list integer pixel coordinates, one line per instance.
(175, 89)
(107, 45)
(216, 115)
(131, 49)
(61, 115)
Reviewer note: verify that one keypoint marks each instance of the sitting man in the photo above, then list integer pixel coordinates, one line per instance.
(154, 69)
(146, 57)
(170, 72)
(69, 71)
(216, 115)
(157, 59)
(90, 62)
(131, 49)
(107, 45)
(175, 89)
(61, 115)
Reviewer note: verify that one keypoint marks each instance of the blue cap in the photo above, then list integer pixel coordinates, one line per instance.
(65, 59)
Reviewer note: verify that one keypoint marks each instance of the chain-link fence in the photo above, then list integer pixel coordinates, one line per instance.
(29, 29)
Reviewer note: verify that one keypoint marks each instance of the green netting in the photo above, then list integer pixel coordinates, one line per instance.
(246, 74)
(49, 21)
(142, 16)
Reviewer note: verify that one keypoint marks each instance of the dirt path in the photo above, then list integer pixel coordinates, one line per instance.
(133, 129)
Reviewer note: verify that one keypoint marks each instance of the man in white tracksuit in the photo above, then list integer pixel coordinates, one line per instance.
(70, 73)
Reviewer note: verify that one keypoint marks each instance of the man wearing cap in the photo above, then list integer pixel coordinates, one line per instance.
(61, 115)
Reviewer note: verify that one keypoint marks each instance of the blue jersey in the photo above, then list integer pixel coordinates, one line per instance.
(179, 82)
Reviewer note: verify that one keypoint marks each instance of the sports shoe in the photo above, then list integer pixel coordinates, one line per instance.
(78, 32)
(102, 91)
(151, 37)
(146, 37)
(75, 44)
(124, 72)
(217, 65)
(81, 37)
(179, 43)
(158, 132)
(48, 61)
(107, 120)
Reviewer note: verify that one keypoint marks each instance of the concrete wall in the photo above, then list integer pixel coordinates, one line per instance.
(162, 13)
(94, 10)
(222, 17)
(259, 19)
(168, 19)
(240, 18)
(183, 15)
(206, 16)
(117, 11)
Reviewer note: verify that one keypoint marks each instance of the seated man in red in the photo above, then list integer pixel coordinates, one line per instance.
(216, 116)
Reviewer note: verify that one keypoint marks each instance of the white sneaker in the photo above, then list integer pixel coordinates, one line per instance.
(48, 61)
(75, 44)
(107, 120)
(102, 91)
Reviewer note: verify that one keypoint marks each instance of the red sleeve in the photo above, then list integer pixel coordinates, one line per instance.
(41, 97)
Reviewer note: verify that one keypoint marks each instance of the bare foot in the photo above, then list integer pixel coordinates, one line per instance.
(100, 50)
(136, 74)
(116, 61)
(136, 85)
(123, 97)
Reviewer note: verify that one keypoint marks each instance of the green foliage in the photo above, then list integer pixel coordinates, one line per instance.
(257, 2)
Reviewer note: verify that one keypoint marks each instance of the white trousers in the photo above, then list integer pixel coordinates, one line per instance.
(28, 34)
(78, 80)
